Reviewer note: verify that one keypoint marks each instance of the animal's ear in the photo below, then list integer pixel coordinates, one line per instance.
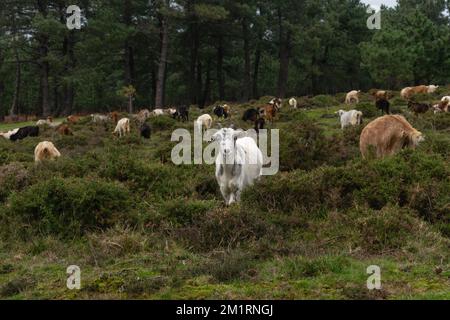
(216, 137)
(240, 134)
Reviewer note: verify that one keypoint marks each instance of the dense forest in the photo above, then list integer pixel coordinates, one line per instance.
(200, 51)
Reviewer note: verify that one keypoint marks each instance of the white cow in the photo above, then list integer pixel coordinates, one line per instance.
(46, 151)
(170, 111)
(99, 118)
(352, 97)
(350, 118)
(157, 112)
(432, 88)
(238, 165)
(123, 127)
(45, 122)
(8, 134)
(277, 102)
(204, 122)
(293, 103)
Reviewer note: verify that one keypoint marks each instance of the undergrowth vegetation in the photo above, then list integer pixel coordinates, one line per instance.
(141, 227)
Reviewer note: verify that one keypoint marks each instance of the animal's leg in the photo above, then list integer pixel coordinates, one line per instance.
(238, 195)
(232, 199)
(225, 194)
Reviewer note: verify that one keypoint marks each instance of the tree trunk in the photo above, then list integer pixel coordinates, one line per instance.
(43, 63)
(207, 91)
(56, 99)
(128, 51)
(247, 85)
(193, 84)
(159, 100)
(129, 64)
(220, 77)
(2, 84)
(256, 72)
(199, 84)
(15, 104)
(154, 84)
(284, 56)
(68, 89)
(130, 104)
(284, 66)
(44, 84)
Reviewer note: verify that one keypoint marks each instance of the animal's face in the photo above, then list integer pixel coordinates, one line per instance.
(360, 118)
(226, 138)
(340, 113)
(417, 138)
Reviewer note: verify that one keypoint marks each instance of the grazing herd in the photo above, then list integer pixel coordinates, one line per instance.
(239, 161)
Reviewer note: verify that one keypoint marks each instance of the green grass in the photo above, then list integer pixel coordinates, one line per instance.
(140, 227)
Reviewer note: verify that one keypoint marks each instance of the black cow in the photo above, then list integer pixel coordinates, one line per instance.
(383, 105)
(25, 132)
(259, 124)
(418, 108)
(220, 112)
(146, 131)
(251, 115)
(182, 113)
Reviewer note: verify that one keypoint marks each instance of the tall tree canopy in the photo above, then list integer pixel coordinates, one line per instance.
(200, 51)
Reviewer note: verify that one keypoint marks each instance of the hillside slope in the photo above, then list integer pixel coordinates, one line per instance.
(140, 227)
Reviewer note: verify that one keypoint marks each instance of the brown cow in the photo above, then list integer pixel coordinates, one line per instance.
(443, 106)
(408, 92)
(269, 112)
(387, 136)
(73, 119)
(418, 108)
(64, 130)
(114, 116)
(380, 95)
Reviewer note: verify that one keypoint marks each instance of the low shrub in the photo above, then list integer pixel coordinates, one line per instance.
(181, 212)
(158, 180)
(224, 228)
(385, 230)
(70, 207)
(324, 101)
(163, 123)
(227, 266)
(302, 146)
(13, 177)
(409, 179)
(301, 267)
(16, 286)
(368, 109)
(441, 121)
